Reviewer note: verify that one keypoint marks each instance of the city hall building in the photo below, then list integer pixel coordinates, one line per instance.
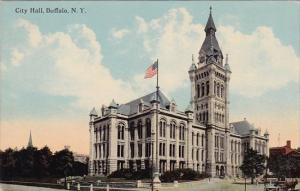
(200, 138)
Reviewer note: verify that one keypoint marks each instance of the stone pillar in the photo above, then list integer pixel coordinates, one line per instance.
(113, 144)
(91, 152)
(177, 146)
(211, 95)
(188, 141)
(126, 146)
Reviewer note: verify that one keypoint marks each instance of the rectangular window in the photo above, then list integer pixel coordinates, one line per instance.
(173, 150)
(146, 150)
(140, 132)
(122, 150)
(192, 154)
(132, 150)
(118, 151)
(179, 150)
(140, 150)
(160, 149)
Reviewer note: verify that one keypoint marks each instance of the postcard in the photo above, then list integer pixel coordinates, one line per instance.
(150, 95)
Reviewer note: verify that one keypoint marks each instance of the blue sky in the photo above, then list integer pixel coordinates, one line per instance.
(44, 75)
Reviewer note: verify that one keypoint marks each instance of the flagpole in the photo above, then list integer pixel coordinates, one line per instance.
(157, 89)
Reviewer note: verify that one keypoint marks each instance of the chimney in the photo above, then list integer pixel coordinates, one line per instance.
(288, 144)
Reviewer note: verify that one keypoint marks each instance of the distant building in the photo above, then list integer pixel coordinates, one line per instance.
(80, 158)
(30, 141)
(200, 138)
(284, 150)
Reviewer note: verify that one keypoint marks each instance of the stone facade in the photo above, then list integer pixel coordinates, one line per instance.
(201, 137)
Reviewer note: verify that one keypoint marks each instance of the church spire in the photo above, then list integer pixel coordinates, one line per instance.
(30, 141)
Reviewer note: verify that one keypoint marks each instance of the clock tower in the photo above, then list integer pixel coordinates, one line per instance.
(210, 84)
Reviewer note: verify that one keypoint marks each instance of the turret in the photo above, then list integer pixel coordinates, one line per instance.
(266, 134)
(113, 106)
(141, 106)
(173, 105)
(93, 114)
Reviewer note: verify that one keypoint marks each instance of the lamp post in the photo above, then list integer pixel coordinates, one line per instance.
(152, 158)
(245, 183)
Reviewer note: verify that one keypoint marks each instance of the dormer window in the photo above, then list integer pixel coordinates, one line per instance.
(140, 107)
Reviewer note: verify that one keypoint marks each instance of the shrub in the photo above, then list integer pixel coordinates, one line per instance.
(181, 174)
(141, 174)
(130, 174)
(122, 173)
(170, 176)
(189, 174)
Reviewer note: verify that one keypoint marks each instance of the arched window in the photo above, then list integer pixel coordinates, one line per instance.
(202, 140)
(192, 138)
(162, 128)
(215, 87)
(140, 130)
(172, 130)
(207, 87)
(148, 127)
(104, 133)
(198, 90)
(121, 131)
(131, 129)
(202, 89)
(181, 132)
(198, 139)
(222, 91)
(218, 90)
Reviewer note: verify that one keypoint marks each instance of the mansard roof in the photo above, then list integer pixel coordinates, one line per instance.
(242, 127)
(132, 106)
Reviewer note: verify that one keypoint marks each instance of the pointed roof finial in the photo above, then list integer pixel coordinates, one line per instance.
(210, 23)
(193, 61)
(226, 61)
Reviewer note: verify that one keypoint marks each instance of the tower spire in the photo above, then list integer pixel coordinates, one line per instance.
(210, 22)
(30, 141)
(210, 51)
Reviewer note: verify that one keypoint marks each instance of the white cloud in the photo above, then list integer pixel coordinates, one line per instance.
(70, 64)
(33, 32)
(141, 24)
(119, 34)
(259, 61)
(16, 57)
(3, 67)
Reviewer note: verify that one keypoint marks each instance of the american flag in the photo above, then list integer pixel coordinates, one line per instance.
(151, 71)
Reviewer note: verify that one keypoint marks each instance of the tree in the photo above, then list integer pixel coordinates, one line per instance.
(253, 164)
(8, 164)
(284, 165)
(42, 162)
(62, 163)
